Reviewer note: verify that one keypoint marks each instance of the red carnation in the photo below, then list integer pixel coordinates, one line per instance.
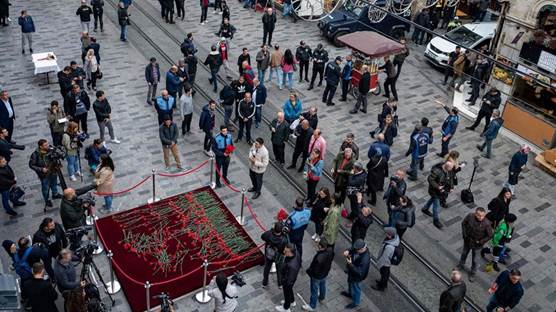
(282, 215)
(229, 149)
(127, 246)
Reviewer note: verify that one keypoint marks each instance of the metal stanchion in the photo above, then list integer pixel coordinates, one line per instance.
(240, 219)
(113, 286)
(99, 248)
(212, 183)
(148, 295)
(202, 296)
(153, 199)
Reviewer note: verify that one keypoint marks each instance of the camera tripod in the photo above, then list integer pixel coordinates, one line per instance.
(88, 273)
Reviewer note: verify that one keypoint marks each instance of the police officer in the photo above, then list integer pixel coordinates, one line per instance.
(320, 57)
(297, 223)
(418, 149)
(303, 55)
(332, 76)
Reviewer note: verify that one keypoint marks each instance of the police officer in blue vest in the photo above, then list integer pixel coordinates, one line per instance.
(220, 144)
(297, 223)
(448, 128)
(418, 149)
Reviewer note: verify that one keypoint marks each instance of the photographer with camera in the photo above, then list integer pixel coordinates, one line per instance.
(52, 235)
(65, 272)
(275, 241)
(42, 162)
(72, 144)
(224, 293)
(72, 212)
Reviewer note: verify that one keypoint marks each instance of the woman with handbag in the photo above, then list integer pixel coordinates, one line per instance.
(312, 173)
(318, 210)
(7, 183)
(91, 69)
(104, 180)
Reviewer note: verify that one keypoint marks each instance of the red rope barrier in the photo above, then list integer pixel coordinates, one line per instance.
(173, 175)
(126, 190)
(254, 215)
(225, 182)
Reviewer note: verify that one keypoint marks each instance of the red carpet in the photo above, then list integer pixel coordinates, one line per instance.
(166, 243)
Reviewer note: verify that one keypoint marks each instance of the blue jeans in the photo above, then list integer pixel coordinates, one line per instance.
(213, 80)
(278, 72)
(435, 202)
(318, 291)
(258, 115)
(414, 167)
(123, 32)
(492, 304)
(488, 145)
(355, 292)
(287, 9)
(72, 164)
(108, 202)
(290, 80)
(49, 183)
(260, 75)
(6, 200)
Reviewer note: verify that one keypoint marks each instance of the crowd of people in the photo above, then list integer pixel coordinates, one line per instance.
(51, 251)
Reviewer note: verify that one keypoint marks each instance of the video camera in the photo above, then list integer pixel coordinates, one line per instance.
(55, 154)
(77, 140)
(237, 279)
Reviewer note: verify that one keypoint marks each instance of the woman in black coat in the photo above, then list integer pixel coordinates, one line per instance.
(377, 171)
(403, 216)
(361, 223)
(499, 207)
(318, 211)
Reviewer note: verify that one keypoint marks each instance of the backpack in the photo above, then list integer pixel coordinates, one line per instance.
(22, 267)
(397, 256)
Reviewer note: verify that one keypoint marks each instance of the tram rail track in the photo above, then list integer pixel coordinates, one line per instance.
(299, 187)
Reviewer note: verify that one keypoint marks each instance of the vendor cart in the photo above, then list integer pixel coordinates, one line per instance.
(369, 48)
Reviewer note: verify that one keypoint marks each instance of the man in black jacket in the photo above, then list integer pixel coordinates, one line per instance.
(72, 213)
(318, 271)
(97, 13)
(65, 80)
(303, 54)
(213, 61)
(152, 76)
(169, 11)
(7, 181)
(361, 222)
(275, 242)
(304, 132)
(46, 171)
(246, 112)
(227, 98)
(452, 298)
(52, 236)
(103, 113)
(476, 231)
(244, 56)
(440, 185)
(320, 57)
(391, 77)
(77, 105)
(290, 270)
(332, 75)
(269, 22)
(490, 102)
(84, 12)
(358, 261)
(39, 292)
(364, 87)
(6, 145)
(506, 291)
(396, 189)
(65, 272)
(479, 74)
(280, 129)
(7, 113)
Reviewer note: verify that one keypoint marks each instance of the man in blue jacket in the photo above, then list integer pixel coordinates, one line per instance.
(379, 148)
(152, 76)
(491, 133)
(297, 223)
(206, 123)
(27, 29)
(332, 76)
(346, 78)
(418, 149)
(506, 291)
(221, 153)
(518, 162)
(448, 128)
(173, 81)
(259, 97)
(358, 261)
(165, 104)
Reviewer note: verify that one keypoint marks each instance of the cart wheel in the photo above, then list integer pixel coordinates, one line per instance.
(377, 89)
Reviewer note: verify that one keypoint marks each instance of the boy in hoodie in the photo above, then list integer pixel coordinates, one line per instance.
(385, 257)
(214, 61)
(491, 133)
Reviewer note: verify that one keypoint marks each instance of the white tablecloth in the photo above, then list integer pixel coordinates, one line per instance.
(44, 66)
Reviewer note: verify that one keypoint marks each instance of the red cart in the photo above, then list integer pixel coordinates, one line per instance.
(368, 48)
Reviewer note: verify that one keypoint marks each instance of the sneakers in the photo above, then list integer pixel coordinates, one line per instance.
(105, 211)
(437, 224)
(345, 294)
(11, 212)
(281, 309)
(351, 306)
(314, 236)
(257, 195)
(427, 212)
(293, 304)
(48, 203)
(78, 173)
(73, 178)
(307, 307)
(115, 141)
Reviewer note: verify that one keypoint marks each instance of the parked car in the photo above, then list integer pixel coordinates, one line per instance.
(351, 18)
(474, 36)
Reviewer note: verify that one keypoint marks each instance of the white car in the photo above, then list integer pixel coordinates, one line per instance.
(475, 36)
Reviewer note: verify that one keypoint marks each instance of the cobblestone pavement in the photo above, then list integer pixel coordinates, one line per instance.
(533, 251)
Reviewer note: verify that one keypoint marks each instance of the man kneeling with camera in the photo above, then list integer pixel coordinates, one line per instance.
(72, 212)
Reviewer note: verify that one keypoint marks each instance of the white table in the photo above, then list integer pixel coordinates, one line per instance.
(45, 66)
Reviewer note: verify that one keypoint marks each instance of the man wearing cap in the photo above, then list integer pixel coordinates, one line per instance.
(385, 256)
(332, 76)
(358, 261)
(303, 55)
(320, 57)
(168, 132)
(318, 271)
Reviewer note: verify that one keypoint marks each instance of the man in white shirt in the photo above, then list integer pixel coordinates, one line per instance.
(258, 162)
